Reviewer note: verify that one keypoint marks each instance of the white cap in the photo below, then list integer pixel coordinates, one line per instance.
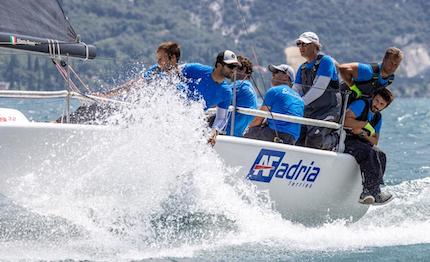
(228, 57)
(283, 68)
(308, 37)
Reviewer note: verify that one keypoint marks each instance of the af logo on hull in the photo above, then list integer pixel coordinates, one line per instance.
(269, 164)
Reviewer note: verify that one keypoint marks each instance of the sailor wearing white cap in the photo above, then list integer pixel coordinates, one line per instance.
(318, 84)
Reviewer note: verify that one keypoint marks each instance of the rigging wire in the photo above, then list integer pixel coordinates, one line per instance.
(277, 139)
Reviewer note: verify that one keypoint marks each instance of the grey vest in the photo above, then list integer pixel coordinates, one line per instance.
(327, 103)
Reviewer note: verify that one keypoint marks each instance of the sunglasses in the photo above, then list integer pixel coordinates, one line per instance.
(231, 66)
(301, 44)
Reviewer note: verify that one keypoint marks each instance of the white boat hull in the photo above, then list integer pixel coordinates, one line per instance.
(306, 185)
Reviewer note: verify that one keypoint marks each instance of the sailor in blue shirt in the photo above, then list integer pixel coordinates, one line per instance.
(365, 79)
(245, 97)
(209, 84)
(364, 120)
(280, 98)
(359, 106)
(167, 55)
(318, 84)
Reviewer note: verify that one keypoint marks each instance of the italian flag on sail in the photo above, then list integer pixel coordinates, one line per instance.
(12, 39)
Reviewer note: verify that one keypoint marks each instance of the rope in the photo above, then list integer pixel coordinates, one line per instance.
(80, 80)
(87, 51)
(277, 139)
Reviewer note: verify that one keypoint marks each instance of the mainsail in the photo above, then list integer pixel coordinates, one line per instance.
(40, 26)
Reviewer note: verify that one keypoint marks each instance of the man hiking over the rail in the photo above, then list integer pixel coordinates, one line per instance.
(364, 118)
(365, 79)
(167, 55)
(318, 84)
(209, 83)
(280, 98)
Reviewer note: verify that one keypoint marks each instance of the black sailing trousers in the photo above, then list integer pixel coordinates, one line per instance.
(371, 160)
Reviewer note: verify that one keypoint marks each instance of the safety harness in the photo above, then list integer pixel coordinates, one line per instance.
(363, 117)
(328, 99)
(369, 87)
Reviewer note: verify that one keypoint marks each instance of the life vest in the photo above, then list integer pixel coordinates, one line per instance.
(328, 100)
(363, 117)
(369, 87)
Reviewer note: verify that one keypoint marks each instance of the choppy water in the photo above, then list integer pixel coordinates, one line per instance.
(162, 194)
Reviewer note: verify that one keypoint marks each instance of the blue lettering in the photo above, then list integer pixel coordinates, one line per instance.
(295, 167)
(282, 170)
(314, 174)
(302, 168)
(307, 172)
(269, 164)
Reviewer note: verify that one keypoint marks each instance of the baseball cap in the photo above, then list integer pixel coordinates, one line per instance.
(228, 57)
(283, 68)
(308, 37)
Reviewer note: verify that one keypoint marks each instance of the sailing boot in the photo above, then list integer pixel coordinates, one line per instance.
(382, 198)
(366, 198)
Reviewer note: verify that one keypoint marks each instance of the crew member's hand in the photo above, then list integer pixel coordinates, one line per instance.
(356, 131)
(103, 95)
(369, 129)
(212, 138)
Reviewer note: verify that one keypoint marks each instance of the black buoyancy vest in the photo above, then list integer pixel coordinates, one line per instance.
(369, 87)
(363, 116)
(328, 100)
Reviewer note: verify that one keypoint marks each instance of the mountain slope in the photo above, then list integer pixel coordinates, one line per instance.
(128, 31)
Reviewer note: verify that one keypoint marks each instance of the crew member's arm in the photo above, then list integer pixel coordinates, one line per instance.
(122, 89)
(297, 86)
(317, 89)
(258, 120)
(325, 72)
(349, 72)
(219, 124)
(358, 127)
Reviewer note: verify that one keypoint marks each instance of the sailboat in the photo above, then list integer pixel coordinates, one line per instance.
(306, 185)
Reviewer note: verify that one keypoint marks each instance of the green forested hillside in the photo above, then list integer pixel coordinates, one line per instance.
(126, 32)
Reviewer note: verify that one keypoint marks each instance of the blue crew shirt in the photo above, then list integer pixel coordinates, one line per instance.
(365, 73)
(201, 84)
(282, 99)
(156, 73)
(153, 73)
(247, 98)
(357, 107)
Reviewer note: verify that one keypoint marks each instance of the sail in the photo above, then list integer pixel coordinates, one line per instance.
(40, 26)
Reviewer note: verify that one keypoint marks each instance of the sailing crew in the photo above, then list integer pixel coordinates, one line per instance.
(280, 98)
(209, 83)
(245, 97)
(365, 79)
(364, 118)
(317, 82)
